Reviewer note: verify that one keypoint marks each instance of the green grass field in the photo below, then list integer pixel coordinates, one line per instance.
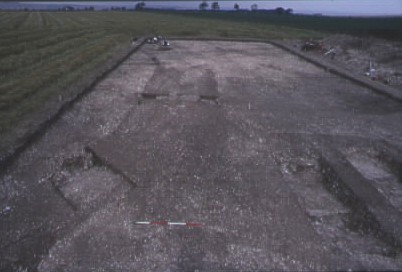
(383, 27)
(41, 53)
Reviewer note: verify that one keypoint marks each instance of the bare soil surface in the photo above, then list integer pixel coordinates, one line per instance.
(222, 134)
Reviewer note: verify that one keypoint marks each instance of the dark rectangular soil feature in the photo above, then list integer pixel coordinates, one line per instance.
(392, 156)
(61, 194)
(370, 208)
(103, 162)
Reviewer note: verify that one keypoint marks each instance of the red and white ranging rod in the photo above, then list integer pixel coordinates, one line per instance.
(167, 223)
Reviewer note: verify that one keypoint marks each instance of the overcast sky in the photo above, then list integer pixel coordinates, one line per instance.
(325, 7)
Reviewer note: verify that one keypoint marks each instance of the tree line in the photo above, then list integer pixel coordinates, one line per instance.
(203, 6)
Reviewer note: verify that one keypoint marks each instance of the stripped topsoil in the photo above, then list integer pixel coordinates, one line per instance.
(227, 135)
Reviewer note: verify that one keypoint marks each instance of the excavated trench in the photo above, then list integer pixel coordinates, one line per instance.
(283, 166)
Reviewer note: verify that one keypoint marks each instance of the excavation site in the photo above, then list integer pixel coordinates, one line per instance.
(211, 155)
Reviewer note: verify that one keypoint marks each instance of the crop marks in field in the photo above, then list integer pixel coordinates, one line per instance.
(43, 53)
